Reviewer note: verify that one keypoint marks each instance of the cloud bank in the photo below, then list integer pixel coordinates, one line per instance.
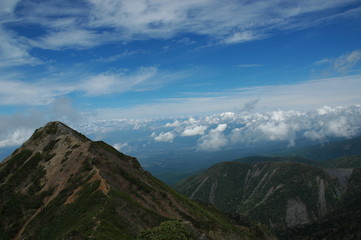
(229, 130)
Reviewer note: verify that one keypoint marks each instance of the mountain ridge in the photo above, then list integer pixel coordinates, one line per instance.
(61, 185)
(280, 194)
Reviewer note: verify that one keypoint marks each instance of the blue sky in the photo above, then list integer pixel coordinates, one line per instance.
(86, 62)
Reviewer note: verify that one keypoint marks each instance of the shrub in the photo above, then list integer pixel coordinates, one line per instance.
(173, 229)
(50, 145)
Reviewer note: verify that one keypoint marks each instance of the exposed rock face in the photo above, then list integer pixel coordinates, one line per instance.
(212, 193)
(61, 185)
(296, 213)
(322, 205)
(341, 174)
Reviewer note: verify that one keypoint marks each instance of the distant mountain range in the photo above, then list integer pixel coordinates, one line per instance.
(327, 150)
(61, 185)
(184, 164)
(282, 192)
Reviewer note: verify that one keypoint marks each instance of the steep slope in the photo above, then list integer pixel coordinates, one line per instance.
(61, 185)
(342, 223)
(279, 194)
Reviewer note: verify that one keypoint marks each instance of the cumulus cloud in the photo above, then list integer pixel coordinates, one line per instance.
(164, 137)
(288, 126)
(193, 131)
(210, 133)
(214, 140)
(335, 122)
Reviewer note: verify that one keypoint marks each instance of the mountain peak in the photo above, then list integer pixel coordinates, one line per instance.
(60, 183)
(56, 129)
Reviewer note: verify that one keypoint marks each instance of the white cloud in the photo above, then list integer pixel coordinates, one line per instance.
(176, 123)
(345, 63)
(164, 137)
(275, 131)
(215, 132)
(193, 131)
(240, 37)
(298, 96)
(123, 147)
(118, 83)
(16, 128)
(286, 126)
(14, 51)
(214, 140)
(227, 115)
(70, 38)
(235, 21)
(43, 92)
(14, 92)
(90, 23)
(16, 138)
(342, 64)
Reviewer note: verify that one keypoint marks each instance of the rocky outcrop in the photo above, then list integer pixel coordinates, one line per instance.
(296, 213)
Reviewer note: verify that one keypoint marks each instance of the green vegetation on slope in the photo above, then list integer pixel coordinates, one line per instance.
(264, 191)
(175, 230)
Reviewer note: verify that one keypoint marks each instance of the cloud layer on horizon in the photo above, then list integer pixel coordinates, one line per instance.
(248, 127)
(217, 131)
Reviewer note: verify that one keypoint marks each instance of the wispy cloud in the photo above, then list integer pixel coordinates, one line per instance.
(14, 51)
(74, 38)
(91, 23)
(13, 92)
(43, 92)
(343, 64)
(304, 95)
(16, 128)
(240, 37)
(116, 57)
(249, 65)
(104, 84)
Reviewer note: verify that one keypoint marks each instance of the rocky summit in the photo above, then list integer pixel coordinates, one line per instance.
(61, 185)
